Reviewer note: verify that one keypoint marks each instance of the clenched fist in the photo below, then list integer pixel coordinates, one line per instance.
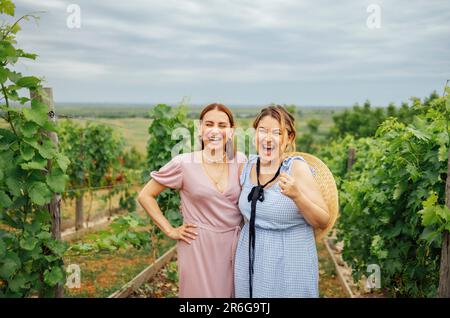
(288, 186)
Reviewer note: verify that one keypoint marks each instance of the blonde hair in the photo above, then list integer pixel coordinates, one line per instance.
(286, 121)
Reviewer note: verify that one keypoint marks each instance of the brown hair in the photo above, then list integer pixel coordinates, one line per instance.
(286, 120)
(230, 148)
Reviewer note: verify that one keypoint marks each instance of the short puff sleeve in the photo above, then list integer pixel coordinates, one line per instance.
(171, 174)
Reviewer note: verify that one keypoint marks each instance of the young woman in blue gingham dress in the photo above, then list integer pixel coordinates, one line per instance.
(285, 261)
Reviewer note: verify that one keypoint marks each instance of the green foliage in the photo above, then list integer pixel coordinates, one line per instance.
(435, 218)
(125, 232)
(359, 122)
(31, 260)
(382, 220)
(364, 121)
(97, 150)
(133, 159)
(291, 109)
(308, 141)
(101, 162)
(335, 155)
(313, 125)
(7, 7)
(172, 271)
(159, 151)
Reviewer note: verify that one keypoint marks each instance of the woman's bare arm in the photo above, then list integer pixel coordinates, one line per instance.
(147, 199)
(304, 191)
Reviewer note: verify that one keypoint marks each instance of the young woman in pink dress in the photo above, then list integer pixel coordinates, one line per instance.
(208, 181)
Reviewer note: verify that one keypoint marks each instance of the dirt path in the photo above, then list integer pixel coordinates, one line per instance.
(165, 283)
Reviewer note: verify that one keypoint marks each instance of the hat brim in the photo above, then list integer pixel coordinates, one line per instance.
(327, 185)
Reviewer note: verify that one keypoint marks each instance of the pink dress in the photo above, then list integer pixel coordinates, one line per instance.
(205, 267)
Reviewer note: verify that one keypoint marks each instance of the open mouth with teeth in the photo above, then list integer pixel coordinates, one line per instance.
(267, 149)
(215, 139)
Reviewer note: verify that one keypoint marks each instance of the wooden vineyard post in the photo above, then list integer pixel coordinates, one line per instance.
(54, 207)
(79, 218)
(79, 203)
(351, 158)
(444, 276)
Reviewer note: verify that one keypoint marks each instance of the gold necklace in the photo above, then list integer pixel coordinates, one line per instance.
(216, 183)
(213, 160)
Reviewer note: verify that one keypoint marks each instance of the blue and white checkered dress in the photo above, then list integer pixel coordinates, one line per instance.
(285, 263)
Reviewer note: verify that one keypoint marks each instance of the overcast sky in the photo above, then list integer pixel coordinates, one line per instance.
(249, 52)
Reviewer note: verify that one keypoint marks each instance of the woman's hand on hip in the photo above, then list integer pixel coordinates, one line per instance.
(186, 233)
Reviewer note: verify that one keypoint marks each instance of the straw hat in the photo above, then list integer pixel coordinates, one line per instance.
(327, 186)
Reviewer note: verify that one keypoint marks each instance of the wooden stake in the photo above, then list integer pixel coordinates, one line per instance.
(444, 276)
(54, 206)
(351, 158)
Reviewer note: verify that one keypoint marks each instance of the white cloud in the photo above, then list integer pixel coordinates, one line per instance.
(176, 46)
(67, 69)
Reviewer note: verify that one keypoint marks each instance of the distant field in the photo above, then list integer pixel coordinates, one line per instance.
(132, 121)
(134, 130)
(140, 110)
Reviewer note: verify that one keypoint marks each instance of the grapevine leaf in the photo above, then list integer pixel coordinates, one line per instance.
(29, 129)
(47, 149)
(3, 75)
(11, 263)
(26, 151)
(17, 283)
(37, 113)
(57, 181)
(7, 7)
(63, 161)
(28, 82)
(5, 201)
(53, 276)
(28, 244)
(37, 164)
(39, 193)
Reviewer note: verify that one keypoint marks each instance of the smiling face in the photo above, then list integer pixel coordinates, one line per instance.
(215, 129)
(269, 139)
(275, 133)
